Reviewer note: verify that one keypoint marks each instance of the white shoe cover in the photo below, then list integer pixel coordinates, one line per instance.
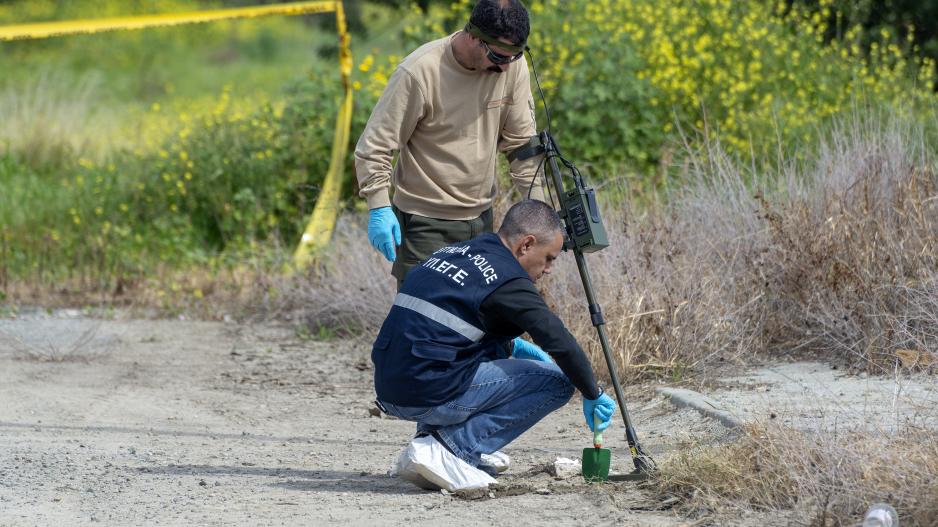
(404, 469)
(429, 465)
(498, 459)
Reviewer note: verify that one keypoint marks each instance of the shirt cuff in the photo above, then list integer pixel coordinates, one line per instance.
(378, 199)
(599, 393)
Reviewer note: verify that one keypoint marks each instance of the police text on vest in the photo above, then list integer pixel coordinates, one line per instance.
(447, 269)
(487, 270)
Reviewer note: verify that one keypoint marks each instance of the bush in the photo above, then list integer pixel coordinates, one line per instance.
(827, 477)
(240, 179)
(226, 184)
(626, 78)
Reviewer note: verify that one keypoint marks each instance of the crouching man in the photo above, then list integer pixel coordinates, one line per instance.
(443, 357)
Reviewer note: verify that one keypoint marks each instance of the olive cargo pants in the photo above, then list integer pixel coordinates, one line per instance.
(420, 236)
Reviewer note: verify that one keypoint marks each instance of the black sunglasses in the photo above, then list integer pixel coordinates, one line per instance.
(498, 58)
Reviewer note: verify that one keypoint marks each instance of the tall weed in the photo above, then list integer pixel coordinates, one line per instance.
(835, 257)
(827, 478)
(53, 118)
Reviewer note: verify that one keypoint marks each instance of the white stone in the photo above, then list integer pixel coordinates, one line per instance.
(563, 468)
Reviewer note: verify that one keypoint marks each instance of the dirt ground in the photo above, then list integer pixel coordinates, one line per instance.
(171, 422)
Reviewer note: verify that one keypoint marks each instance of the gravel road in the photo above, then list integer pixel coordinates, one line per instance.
(170, 422)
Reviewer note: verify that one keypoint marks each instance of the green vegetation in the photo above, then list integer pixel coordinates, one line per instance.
(125, 153)
(913, 20)
(629, 79)
(129, 159)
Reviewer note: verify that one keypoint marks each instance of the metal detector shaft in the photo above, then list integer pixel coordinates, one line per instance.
(641, 460)
(600, 325)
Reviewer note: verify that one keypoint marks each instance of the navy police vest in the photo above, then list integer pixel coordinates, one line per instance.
(432, 341)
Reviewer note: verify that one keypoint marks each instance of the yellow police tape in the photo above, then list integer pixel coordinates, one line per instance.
(76, 27)
(322, 222)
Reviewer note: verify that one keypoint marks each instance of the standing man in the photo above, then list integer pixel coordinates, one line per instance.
(447, 110)
(442, 355)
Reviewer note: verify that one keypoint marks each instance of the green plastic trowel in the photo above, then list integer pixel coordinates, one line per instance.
(596, 460)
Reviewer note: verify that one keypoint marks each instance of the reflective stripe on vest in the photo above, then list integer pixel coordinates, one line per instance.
(439, 315)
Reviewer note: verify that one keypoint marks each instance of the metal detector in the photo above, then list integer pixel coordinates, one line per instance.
(585, 234)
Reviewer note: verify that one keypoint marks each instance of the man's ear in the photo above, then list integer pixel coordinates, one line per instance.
(528, 243)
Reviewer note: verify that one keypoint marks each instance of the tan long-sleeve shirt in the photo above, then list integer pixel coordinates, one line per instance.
(448, 124)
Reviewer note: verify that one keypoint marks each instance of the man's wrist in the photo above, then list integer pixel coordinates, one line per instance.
(599, 388)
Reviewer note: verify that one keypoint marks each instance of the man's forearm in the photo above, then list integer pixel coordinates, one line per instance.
(390, 126)
(518, 304)
(527, 180)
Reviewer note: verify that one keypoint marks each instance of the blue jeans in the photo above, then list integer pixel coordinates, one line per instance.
(506, 398)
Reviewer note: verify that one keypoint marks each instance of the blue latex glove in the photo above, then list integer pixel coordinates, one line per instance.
(602, 407)
(384, 232)
(525, 350)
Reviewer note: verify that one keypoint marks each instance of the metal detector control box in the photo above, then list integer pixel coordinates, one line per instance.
(585, 225)
(578, 208)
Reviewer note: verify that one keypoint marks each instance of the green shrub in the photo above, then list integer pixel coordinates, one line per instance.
(176, 179)
(626, 79)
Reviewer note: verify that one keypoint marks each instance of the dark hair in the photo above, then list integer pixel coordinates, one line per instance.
(530, 217)
(502, 19)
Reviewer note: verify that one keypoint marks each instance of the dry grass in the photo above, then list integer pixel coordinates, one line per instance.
(348, 292)
(837, 258)
(52, 118)
(80, 349)
(829, 477)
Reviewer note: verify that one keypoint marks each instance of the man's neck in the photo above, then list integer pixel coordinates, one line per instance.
(461, 45)
(506, 244)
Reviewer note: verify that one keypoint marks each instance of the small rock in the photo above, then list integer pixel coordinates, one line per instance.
(202, 483)
(563, 468)
(543, 491)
